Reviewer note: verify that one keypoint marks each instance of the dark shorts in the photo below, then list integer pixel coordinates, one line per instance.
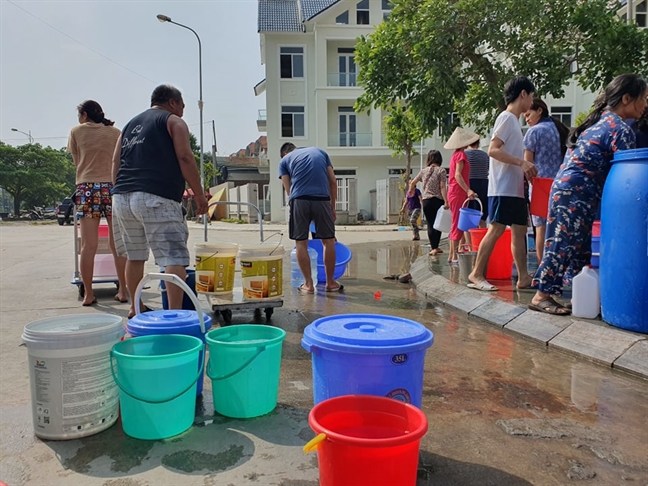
(303, 211)
(508, 210)
(93, 200)
(480, 186)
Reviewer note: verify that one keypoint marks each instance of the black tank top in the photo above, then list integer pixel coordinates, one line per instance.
(148, 158)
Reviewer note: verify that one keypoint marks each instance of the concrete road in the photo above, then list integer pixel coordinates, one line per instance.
(501, 410)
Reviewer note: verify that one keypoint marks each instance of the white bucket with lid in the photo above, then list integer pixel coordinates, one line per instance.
(215, 267)
(72, 391)
(262, 272)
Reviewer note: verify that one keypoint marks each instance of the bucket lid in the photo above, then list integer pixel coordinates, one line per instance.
(216, 247)
(71, 328)
(368, 333)
(175, 321)
(633, 155)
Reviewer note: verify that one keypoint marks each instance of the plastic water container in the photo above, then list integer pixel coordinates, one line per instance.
(469, 218)
(586, 301)
(215, 266)
(624, 242)
(500, 263)
(72, 396)
(157, 376)
(244, 366)
(540, 191)
(261, 272)
(367, 354)
(443, 220)
(180, 321)
(343, 256)
(296, 277)
(366, 441)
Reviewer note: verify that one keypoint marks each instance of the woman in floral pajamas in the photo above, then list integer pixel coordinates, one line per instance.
(577, 189)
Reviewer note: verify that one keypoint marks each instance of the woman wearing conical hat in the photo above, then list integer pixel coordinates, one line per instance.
(458, 187)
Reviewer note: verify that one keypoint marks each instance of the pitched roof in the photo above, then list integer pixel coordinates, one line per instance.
(279, 16)
(311, 8)
(289, 15)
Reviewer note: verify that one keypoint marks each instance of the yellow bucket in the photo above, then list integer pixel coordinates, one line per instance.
(262, 272)
(215, 266)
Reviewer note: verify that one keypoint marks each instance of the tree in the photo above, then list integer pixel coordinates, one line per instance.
(35, 174)
(443, 57)
(210, 171)
(403, 129)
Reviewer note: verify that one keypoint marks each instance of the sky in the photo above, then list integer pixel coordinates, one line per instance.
(56, 54)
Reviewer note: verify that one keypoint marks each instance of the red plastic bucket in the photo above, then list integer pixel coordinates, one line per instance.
(500, 263)
(366, 440)
(540, 190)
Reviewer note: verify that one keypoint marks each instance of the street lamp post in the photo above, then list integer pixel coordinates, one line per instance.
(165, 18)
(31, 139)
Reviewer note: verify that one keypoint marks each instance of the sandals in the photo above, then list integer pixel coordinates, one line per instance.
(550, 306)
(484, 286)
(303, 290)
(339, 288)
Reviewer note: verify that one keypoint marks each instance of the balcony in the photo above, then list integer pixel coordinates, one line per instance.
(349, 139)
(262, 119)
(342, 79)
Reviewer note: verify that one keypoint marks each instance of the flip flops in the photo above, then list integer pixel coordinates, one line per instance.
(484, 286)
(94, 301)
(303, 290)
(550, 306)
(339, 288)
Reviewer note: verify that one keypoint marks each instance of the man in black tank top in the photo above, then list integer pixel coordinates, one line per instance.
(151, 163)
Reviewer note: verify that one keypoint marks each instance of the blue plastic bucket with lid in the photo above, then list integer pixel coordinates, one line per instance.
(176, 321)
(367, 354)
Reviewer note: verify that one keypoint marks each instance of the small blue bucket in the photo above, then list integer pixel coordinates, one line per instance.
(367, 354)
(342, 258)
(469, 218)
(187, 304)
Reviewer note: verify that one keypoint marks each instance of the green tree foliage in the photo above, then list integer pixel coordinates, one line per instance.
(210, 171)
(39, 176)
(403, 130)
(443, 57)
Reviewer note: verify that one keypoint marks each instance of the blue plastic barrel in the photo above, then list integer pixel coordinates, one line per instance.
(170, 322)
(624, 242)
(367, 354)
(187, 304)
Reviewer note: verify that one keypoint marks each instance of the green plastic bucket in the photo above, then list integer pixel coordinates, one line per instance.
(244, 364)
(157, 377)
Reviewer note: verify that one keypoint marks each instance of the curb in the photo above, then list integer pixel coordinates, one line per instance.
(590, 339)
(254, 227)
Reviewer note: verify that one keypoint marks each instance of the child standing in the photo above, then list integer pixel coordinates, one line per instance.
(414, 202)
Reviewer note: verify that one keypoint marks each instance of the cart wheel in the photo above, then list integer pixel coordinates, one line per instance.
(257, 313)
(81, 290)
(215, 311)
(227, 316)
(268, 313)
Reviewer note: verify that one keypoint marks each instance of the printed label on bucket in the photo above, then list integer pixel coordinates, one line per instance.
(400, 394)
(262, 279)
(399, 359)
(214, 274)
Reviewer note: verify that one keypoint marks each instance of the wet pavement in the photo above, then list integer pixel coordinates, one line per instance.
(501, 409)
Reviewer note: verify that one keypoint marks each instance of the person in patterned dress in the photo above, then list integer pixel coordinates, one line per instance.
(577, 188)
(545, 146)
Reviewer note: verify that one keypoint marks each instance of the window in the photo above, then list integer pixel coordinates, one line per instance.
(362, 12)
(347, 123)
(562, 113)
(641, 16)
(292, 62)
(342, 18)
(347, 66)
(386, 8)
(292, 121)
(343, 178)
(451, 121)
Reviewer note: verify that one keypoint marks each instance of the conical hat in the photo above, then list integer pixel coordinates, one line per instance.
(461, 138)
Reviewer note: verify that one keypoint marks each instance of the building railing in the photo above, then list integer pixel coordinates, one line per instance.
(342, 79)
(263, 115)
(349, 139)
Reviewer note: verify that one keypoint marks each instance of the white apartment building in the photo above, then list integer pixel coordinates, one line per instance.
(307, 47)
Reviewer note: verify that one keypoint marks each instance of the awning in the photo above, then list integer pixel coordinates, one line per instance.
(260, 87)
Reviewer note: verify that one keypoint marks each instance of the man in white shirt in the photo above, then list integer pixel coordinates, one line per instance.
(507, 205)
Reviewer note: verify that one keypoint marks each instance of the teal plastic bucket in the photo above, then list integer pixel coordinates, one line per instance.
(244, 364)
(157, 377)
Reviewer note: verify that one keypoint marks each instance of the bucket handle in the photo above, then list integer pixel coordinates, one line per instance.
(260, 349)
(313, 443)
(163, 400)
(174, 279)
(476, 199)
